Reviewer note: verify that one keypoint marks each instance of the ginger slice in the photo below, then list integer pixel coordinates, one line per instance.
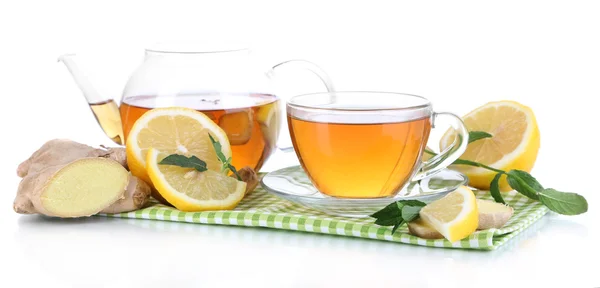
(81, 188)
(492, 214)
(421, 229)
(238, 126)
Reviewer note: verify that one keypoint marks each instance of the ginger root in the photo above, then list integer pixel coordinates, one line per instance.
(135, 197)
(249, 176)
(61, 151)
(68, 179)
(73, 190)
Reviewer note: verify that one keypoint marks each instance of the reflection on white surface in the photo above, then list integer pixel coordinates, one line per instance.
(169, 251)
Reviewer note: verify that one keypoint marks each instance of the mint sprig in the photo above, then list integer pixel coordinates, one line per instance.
(198, 164)
(565, 203)
(225, 162)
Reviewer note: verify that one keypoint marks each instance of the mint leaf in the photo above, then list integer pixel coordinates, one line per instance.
(389, 215)
(397, 213)
(397, 226)
(478, 135)
(473, 136)
(410, 213)
(530, 180)
(183, 161)
(217, 147)
(495, 189)
(225, 162)
(388, 221)
(565, 203)
(515, 181)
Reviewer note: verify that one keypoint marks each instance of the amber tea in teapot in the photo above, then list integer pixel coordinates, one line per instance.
(250, 121)
(227, 86)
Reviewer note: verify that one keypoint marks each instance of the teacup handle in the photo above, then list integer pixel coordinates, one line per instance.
(450, 154)
(301, 65)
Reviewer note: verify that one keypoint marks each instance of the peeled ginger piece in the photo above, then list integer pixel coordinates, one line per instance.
(492, 214)
(83, 187)
(55, 156)
(421, 229)
(238, 126)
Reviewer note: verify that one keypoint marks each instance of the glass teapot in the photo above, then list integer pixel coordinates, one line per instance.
(228, 86)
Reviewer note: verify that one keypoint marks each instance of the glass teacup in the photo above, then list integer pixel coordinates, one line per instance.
(367, 144)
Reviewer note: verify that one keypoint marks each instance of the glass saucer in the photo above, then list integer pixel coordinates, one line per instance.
(292, 184)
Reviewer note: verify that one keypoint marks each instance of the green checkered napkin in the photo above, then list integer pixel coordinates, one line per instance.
(261, 209)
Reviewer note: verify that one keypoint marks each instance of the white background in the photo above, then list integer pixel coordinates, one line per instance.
(459, 54)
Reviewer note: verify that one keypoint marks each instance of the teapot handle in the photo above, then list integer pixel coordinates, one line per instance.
(299, 65)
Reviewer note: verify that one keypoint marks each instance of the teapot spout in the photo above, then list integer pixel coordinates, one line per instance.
(90, 93)
(105, 109)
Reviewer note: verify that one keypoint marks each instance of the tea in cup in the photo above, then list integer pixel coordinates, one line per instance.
(367, 144)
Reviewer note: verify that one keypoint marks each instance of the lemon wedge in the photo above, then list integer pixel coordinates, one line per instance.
(514, 143)
(455, 216)
(174, 130)
(269, 120)
(190, 190)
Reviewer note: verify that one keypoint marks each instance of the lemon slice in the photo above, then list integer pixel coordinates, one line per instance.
(269, 119)
(455, 216)
(174, 130)
(190, 190)
(514, 143)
